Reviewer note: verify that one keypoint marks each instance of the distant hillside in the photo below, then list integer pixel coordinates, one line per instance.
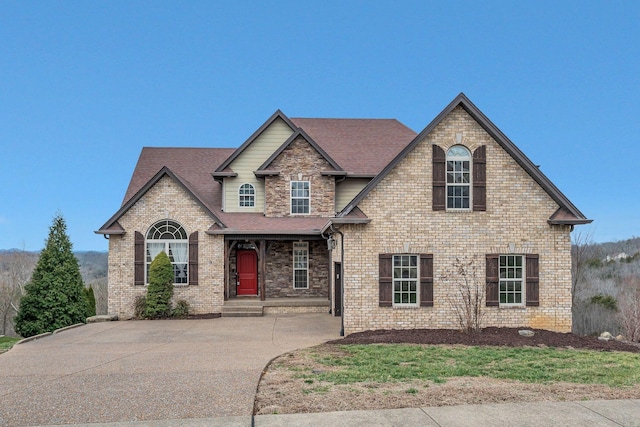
(93, 264)
(608, 284)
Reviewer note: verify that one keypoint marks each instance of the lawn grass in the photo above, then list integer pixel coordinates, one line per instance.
(394, 363)
(7, 342)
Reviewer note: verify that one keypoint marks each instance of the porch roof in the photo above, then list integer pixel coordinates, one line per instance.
(257, 223)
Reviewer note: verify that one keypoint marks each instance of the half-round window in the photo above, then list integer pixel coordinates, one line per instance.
(171, 238)
(247, 196)
(458, 177)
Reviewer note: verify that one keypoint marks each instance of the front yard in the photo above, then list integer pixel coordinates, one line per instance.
(336, 376)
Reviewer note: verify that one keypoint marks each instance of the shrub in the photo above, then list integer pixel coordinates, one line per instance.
(606, 301)
(90, 301)
(182, 309)
(139, 306)
(160, 288)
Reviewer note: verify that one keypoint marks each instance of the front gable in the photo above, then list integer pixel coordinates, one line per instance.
(444, 134)
(299, 168)
(239, 168)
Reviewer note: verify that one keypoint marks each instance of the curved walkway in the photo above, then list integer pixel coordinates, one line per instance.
(149, 370)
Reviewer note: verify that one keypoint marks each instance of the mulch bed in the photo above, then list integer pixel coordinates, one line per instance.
(506, 337)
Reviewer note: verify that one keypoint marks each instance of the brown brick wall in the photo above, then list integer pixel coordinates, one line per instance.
(403, 221)
(300, 162)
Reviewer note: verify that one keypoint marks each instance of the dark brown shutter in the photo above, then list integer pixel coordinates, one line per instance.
(385, 266)
(439, 179)
(533, 281)
(193, 258)
(138, 265)
(480, 179)
(492, 294)
(426, 280)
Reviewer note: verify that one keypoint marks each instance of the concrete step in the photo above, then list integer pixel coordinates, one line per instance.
(242, 311)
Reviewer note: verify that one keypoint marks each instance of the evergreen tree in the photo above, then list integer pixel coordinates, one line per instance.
(160, 288)
(53, 297)
(90, 301)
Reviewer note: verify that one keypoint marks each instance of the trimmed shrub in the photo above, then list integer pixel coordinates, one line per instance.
(139, 306)
(160, 288)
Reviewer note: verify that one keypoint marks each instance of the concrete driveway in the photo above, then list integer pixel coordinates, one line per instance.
(149, 370)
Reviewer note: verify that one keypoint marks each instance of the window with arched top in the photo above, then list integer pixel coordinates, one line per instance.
(170, 237)
(246, 196)
(458, 178)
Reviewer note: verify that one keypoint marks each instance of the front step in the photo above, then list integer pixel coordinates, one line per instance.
(242, 311)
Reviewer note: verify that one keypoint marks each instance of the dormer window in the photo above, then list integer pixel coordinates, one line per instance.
(246, 196)
(458, 178)
(300, 197)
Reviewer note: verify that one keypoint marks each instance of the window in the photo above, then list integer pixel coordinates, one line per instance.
(511, 280)
(300, 197)
(170, 237)
(458, 177)
(301, 265)
(246, 196)
(405, 279)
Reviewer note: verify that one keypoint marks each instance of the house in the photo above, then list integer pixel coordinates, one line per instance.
(360, 218)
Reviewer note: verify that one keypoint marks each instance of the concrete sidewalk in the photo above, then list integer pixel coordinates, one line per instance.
(535, 414)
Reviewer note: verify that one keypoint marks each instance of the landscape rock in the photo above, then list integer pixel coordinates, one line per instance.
(620, 338)
(605, 336)
(526, 333)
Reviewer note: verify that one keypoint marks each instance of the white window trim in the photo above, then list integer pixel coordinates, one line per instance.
(469, 185)
(300, 246)
(291, 198)
(254, 196)
(393, 282)
(522, 281)
(166, 243)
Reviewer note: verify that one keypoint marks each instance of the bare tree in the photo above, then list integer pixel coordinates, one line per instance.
(581, 252)
(15, 271)
(467, 302)
(630, 308)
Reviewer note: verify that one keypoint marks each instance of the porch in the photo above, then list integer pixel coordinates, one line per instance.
(254, 307)
(273, 269)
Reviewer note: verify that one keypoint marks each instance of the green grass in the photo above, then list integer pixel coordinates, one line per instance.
(7, 342)
(395, 363)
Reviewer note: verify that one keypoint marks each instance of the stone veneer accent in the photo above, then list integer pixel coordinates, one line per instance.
(402, 221)
(166, 200)
(279, 283)
(300, 162)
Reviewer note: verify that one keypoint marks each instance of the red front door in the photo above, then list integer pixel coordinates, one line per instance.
(247, 273)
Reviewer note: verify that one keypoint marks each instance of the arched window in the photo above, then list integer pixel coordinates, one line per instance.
(170, 237)
(458, 177)
(247, 196)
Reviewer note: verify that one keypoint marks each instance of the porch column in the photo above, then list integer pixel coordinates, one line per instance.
(262, 268)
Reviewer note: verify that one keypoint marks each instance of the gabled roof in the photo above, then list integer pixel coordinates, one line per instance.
(289, 141)
(362, 147)
(275, 116)
(189, 167)
(570, 214)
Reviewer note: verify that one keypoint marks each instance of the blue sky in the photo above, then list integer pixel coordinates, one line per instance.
(85, 85)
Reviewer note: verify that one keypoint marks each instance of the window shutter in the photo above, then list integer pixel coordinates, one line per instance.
(138, 265)
(385, 266)
(426, 280)
(439, 179)
(480, 179)
(533, 281)
(492, 294)
(193, 258)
